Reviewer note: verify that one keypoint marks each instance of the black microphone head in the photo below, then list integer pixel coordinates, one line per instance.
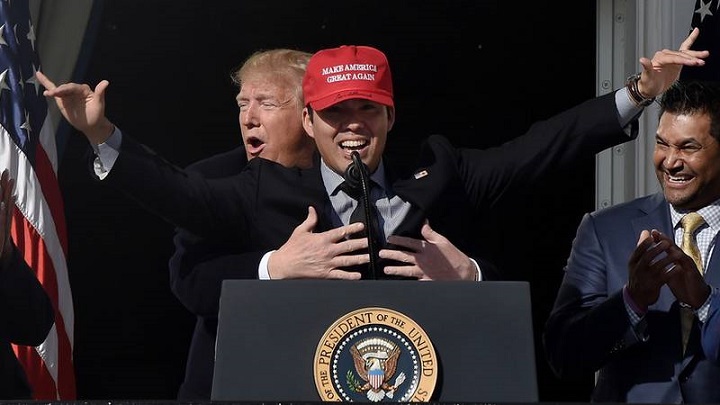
(353, 173)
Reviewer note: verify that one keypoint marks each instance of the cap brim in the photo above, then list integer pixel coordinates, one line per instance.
(340, 96)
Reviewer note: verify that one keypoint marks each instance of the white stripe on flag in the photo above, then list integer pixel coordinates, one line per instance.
(34, 208)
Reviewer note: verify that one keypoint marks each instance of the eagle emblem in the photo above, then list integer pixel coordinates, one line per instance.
(375, 354)
(375, 362)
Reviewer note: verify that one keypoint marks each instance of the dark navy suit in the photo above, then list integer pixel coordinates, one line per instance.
(197, 269)
(589, 328)
(711, 333)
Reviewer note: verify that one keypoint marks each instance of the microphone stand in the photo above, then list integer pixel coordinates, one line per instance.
(356, 176)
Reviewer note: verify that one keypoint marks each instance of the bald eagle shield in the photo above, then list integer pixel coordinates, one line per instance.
(375, 362)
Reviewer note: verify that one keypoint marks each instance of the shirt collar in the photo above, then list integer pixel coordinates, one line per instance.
(711, 214)
(332, 180)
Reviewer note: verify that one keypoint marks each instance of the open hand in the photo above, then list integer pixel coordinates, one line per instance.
(319, 255)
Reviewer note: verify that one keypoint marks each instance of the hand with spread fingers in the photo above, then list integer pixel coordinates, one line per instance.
(664, 68)
(432, 258)
(82, 107)
(319, 255)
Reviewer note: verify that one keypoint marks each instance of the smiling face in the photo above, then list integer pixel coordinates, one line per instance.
(687, 160)
(271, 120)
(351, 125)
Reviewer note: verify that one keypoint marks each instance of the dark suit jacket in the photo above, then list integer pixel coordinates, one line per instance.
(197, 269)
(589, 329)
(259, 208)
(26, 316)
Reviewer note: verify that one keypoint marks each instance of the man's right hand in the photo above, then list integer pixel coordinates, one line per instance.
(318, 255)
(81, 106)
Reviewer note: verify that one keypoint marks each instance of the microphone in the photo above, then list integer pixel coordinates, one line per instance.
(354, 173)
(356, 176)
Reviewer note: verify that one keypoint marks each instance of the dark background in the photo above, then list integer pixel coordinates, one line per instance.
(479, 71)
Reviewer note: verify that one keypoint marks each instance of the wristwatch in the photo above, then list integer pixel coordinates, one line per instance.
(632, 86)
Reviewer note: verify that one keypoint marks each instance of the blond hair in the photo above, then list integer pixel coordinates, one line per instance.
(288, 65)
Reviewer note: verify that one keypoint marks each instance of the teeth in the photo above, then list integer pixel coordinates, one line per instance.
(352, 144)
(678, 179)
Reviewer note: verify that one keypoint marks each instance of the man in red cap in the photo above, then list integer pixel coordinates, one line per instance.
(348, 92)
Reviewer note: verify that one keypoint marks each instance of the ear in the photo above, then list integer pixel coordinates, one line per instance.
(308, 122)
(391, 117)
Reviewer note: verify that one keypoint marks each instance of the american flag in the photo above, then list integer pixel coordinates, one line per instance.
(28, 149)
(706, 16)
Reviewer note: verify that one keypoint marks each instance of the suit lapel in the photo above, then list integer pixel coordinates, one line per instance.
(712, 275)
(654, 214)
(414, 188)
(325, 211)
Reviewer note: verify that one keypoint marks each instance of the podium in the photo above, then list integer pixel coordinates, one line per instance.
(282, 341)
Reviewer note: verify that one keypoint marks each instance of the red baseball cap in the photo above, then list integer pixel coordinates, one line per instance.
(338, 74)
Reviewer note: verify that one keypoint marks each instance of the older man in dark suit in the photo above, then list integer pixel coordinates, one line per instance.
(270, 106)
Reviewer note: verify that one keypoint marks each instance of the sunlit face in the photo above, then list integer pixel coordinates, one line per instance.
(271, 121)
(687, 160)
(351, 125)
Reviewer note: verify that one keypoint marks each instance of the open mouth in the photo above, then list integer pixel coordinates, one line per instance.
(254, 145)
(678, 180)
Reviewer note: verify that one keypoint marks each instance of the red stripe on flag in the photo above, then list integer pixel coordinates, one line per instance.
(35, 253)
(38, 228)
(42, 382)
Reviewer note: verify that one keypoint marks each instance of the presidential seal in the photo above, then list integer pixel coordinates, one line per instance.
(377, 355)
